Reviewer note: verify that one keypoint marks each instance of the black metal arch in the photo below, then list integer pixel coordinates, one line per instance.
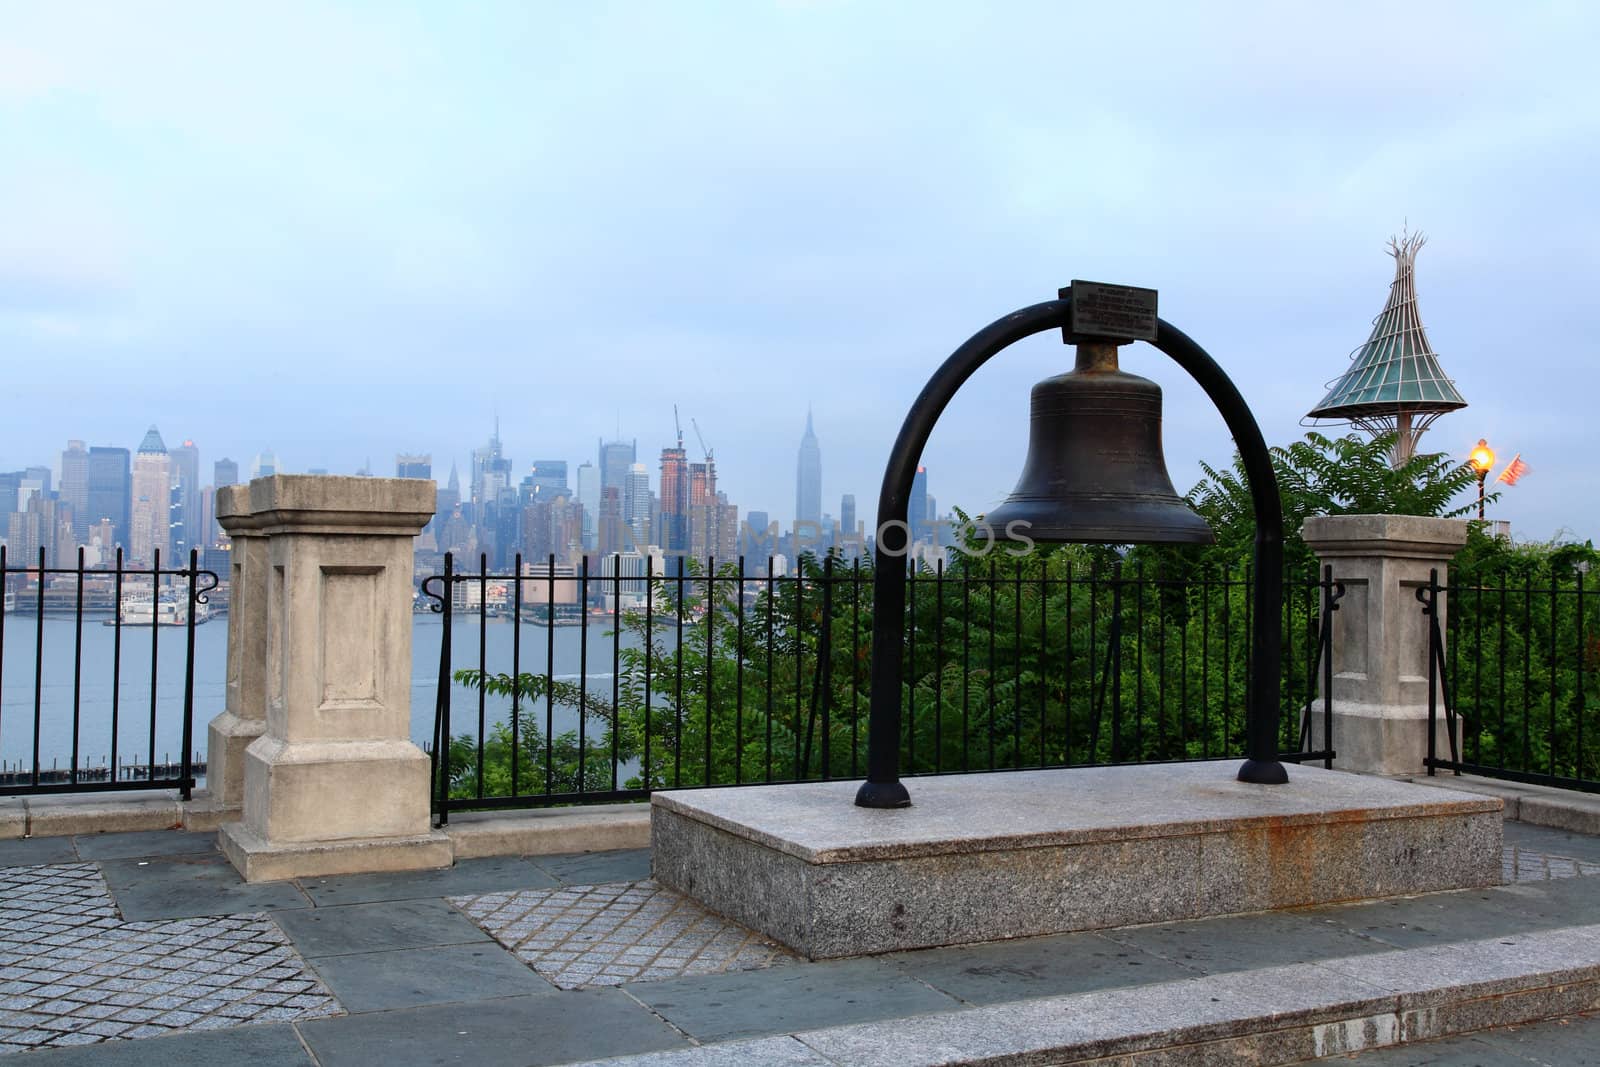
(883, 788)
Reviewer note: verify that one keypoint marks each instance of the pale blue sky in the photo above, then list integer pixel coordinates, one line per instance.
(347, 230)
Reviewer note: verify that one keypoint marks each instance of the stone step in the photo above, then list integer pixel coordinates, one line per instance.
(1274, 1015)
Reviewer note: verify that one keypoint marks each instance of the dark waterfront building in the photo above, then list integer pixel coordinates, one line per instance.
(110, 487)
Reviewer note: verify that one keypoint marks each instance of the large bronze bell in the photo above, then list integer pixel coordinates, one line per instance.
(1095, 470)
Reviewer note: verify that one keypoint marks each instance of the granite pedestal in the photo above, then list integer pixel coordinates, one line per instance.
(988, 856)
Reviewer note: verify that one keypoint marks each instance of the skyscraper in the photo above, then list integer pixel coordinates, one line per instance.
(616, 458)
(702, 509)
(265, 465)
(589, 502)
(611, 529)
(413, 466)
(186, 480)
(449, 498)
(637, 502)
(847, 514)
(917, 508)
(152, 495)
(547, 479)
(223, 472)
(674, 533)
(109, 489)
(808, 478)
(75, 487)
(491, 472)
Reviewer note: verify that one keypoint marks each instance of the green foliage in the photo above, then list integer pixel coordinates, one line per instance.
(1007, 662)
(1323, 475)
(1523, 663)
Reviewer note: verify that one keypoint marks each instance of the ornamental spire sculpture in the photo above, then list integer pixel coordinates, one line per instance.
(1394, 384)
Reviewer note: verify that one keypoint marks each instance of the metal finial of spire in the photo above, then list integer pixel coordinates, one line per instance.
(1394, 384)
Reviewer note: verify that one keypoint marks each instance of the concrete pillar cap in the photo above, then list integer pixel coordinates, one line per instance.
(1406, 536)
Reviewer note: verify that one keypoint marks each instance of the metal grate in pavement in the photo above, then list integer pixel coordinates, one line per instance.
(592, 935)
(73, 973)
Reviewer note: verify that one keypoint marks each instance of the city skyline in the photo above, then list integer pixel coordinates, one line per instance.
(516, 471)
(150, 503)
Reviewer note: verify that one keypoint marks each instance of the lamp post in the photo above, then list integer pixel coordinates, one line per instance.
(1094, 337)
(1482, 460)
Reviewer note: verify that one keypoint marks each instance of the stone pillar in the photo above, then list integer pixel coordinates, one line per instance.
(1380, 636)
(334, 785)
(245, 714)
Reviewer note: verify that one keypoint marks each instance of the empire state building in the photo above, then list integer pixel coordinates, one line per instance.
(808, 478)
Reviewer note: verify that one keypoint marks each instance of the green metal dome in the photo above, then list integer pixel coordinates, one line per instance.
(1394, 383)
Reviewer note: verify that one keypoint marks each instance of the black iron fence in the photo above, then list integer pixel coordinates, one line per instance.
(1513, 668)
(85, 669)
(560, 685)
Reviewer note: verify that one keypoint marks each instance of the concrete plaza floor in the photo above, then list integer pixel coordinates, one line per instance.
(147, 948)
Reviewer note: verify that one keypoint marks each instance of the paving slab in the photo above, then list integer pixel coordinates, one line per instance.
(1245, 942)
(1000, 971)
(753, 1003)
(404, 978)
(1441, 918)
(33, 851)
(274, 1045)
(193, 884)
(1104, 1022)
(595, 868)
(72, 972)
(1570, 1042)
(398, 924)
(616, 932)
(514, 1032)
(767, 1051)
(143, 844)
(467, 876)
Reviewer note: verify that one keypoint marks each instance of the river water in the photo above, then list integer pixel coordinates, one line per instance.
(94, 689)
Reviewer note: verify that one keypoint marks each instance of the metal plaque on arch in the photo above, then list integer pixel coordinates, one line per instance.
(1114, 312)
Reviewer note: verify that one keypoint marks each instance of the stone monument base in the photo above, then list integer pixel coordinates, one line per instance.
(1384, 740)
(257, 860)
(983, 857)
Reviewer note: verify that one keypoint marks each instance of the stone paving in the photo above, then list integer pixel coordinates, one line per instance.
(73, 972)
(130, 936)
(595, 935)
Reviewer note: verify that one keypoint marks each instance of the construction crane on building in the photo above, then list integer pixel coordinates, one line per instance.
(678, 423)
(710, 456)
